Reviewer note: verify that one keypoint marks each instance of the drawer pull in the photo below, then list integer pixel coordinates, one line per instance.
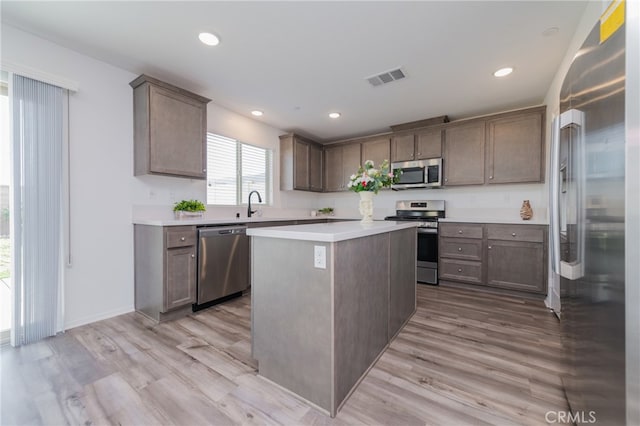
(460, 231)
(459, 269)
(513, 234)
(193, 256)
(489, 247)
(459, 248)
(181, 238)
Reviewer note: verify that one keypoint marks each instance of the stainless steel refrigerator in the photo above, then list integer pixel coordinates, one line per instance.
(587, 227)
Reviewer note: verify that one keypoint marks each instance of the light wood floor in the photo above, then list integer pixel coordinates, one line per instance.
(464, 358)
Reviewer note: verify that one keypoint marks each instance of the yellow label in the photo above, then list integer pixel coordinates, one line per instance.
(611, 20)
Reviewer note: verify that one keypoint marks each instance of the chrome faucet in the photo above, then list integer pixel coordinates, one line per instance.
(249, 211)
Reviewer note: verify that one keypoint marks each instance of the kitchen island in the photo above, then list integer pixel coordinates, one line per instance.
(326, 301)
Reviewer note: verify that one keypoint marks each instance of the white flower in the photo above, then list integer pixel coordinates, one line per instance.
(353, 177)
(372, 172)
(368, 163)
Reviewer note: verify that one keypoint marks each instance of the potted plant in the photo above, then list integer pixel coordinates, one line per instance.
(188, 209)
(326, 211)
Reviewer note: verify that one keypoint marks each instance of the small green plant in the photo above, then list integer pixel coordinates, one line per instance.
(189, 206)
(326, 210)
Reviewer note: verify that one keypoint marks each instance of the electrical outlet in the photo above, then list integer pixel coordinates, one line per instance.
(320, 257)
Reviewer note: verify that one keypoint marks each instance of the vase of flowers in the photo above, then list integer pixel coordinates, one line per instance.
(367, 181)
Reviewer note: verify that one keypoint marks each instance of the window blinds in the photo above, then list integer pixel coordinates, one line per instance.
(37, 202)
(234, 169)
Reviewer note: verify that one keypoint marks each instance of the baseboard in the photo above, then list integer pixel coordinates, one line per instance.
(98, 317)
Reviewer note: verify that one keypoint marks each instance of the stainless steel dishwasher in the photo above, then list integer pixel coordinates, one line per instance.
(223, 263)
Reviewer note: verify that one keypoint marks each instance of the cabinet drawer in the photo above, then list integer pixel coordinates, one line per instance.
(530, 233)
(460, 270)
(460, 230)
(180, 236)
(461, 248)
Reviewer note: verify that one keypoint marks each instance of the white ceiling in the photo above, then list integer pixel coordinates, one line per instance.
(297, 61)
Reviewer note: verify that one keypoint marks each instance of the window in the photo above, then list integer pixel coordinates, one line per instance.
(234, 169)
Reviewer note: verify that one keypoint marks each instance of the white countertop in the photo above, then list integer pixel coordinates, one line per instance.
(329, 232)
(224, 221)
(532, 221)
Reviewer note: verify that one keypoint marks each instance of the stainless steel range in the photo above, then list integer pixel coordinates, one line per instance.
(426, 213)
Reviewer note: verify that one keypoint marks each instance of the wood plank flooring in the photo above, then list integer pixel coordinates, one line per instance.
(463, 358)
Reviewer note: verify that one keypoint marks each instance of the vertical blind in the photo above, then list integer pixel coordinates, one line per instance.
(234, 169)
(37, 202)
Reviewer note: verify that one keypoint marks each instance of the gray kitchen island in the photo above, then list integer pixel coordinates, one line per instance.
(326, 301)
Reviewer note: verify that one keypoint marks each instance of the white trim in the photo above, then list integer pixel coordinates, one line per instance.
(98, 317)
(39, 75)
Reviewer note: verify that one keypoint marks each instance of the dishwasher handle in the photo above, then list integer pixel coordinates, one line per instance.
(221, 231)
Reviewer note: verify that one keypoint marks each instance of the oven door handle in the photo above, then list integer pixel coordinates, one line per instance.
(427, 230)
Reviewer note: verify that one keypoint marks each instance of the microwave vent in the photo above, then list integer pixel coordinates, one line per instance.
(386, 77)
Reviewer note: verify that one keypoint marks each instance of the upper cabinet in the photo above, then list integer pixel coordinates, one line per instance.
(340, 162)
(376, 150)
(503, 148)
(515, 147)
(300, 164)
(500, 148)
(464, 154)
(403, 147)
(417, 146)
(170, 129)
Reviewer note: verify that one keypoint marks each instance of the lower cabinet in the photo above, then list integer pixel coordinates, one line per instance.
(165, 270)
(460, 252)
(516, 257)
(510, 257)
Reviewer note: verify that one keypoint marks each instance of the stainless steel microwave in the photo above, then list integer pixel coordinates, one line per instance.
(419, 174)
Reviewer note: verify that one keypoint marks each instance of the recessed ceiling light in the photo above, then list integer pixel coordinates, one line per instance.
(209, 39)
(257, 113)
(503, 72)
(334, 114)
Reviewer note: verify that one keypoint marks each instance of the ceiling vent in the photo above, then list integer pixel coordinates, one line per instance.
(386, 77)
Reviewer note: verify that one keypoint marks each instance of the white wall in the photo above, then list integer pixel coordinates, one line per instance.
(104, 192)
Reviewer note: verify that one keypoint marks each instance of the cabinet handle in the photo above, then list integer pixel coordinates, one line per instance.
(204, 170)
(513, 234)
(459, 248)
(193, 256)
(490, 177)
(489, 247)
(460, 231)
(181, 238)
(446, 179)
(419, 154)
(459, 269)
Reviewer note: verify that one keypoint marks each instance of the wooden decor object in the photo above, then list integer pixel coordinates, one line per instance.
(526, 212)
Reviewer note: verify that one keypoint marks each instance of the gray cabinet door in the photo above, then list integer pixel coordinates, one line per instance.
(516, 149)
(180, 277)
(403, 148)
(376, 150)
(301, 165)
(464, 154)
(177, 134)
(429, 144)
(170, 129)
(350, 163)
(315, 168)
(516, 265)
(333, 169)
